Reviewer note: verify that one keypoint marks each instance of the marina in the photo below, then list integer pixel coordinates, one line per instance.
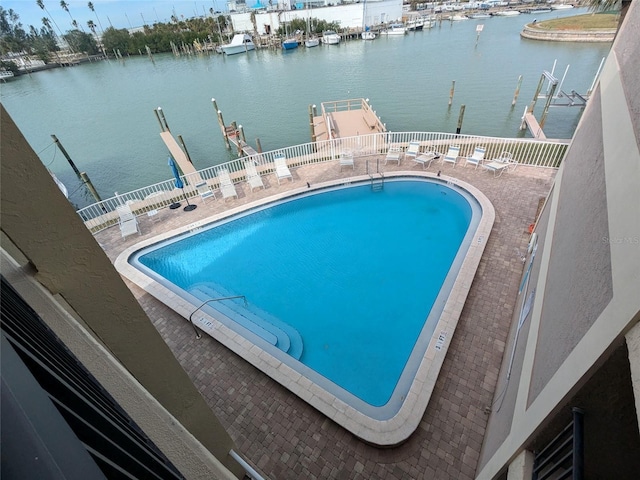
(104, 115)
(326, 276)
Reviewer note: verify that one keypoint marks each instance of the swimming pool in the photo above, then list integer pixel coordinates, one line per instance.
(343, 284)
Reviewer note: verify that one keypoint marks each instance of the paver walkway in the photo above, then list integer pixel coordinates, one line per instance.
(285, 438)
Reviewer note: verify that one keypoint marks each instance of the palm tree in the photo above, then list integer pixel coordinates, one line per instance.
(40, 3)
(65, 7)
(92, 8)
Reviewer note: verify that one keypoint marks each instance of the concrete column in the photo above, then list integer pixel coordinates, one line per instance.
(522, 466)
(633, 345)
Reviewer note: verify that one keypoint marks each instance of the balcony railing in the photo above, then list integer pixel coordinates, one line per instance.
(101, 215)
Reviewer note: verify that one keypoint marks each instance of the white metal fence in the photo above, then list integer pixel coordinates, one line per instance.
(160, 195)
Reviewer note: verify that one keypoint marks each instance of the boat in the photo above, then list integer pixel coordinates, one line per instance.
(366, 34)
(290, 44)
(507, 13)
(6, 75)
(61, 185)
(458, 18)
(240, 43)
(479, 15)
(312, 42)
(540, 10)
(415, 24)
(329, 37)
(394, 29)
(561, 6)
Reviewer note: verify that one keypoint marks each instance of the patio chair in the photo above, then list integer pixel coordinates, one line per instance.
(227, 187)
(393, 154)
(205, 191)
(426, 158)
(127, 221)
(451, 155)
(476, 158)
(413, 150)
(346, 160)
(499, 165)
(282, 170)
(253, 177)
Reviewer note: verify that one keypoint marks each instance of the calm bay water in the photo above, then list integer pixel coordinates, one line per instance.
(103, 113)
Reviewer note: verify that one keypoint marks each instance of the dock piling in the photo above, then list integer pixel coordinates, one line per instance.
(90, 187)
(184, 147)
(517, 92)
(258, 145)
(66, 155)
(453, 87)
(163, 121)
(460, 117)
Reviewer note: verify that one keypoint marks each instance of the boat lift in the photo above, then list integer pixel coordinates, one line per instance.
(553, 99)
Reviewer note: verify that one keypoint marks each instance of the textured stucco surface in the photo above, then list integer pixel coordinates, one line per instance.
(70, 263)
(504, 402)
(579, 282)
(627, 51)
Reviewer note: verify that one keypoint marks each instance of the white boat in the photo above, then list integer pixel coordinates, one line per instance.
(479, 15)
(415, 24)
(507, 13)
(368, 35)
(394, 29)
(312, 42)
(330, 37)
(540, 10)
(240, 43)
(6, 75)
(458, 18)
(561, 6)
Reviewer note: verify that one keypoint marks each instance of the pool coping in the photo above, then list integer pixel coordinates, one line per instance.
(388, 432)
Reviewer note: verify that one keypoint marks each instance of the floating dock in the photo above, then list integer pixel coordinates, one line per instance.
(344, 118)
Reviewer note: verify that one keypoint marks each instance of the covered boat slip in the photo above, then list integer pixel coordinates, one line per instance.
(345, 118)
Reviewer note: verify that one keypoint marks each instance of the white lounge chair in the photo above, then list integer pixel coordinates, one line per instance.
(227, 187)
(413, 150)
(205, 191)
(253, 177)
(426, 158)
(346, 160)
(127, 221)
(451, 155)
(393, 154)
(282, 170)
(499, 165)
(476, 158)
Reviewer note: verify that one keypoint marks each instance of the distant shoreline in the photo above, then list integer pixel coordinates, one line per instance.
(579, 28)
(605, 35)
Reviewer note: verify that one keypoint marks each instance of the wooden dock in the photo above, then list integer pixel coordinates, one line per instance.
(345, 118)
(180, 157)
(534, 126)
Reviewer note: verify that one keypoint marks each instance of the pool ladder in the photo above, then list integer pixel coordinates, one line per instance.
(377, 177)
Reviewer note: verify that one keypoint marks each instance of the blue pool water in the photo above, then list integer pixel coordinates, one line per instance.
(343, 280)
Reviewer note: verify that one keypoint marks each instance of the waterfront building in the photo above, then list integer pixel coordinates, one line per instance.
(347, 15)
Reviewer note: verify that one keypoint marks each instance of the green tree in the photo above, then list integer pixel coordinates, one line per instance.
(13, 38)
(116, 39)
(81, 42)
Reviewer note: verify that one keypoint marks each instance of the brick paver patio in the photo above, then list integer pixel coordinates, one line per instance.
(281, 435)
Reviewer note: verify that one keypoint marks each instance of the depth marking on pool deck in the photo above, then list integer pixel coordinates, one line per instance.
(441, 339)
